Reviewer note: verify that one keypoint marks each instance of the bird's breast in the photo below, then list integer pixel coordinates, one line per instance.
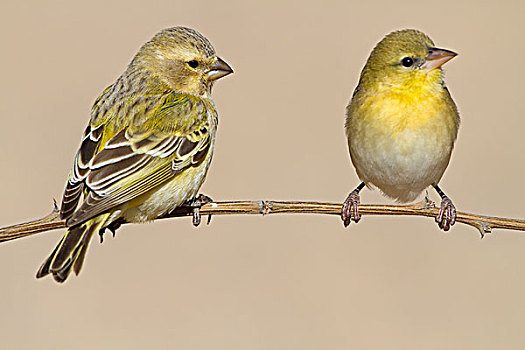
(401, 144)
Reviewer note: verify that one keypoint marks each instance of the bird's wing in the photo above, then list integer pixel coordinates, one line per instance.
(75, 184)
(140, 157)
(91, 142)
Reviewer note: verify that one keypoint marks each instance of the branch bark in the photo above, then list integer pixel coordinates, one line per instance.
(484, 224)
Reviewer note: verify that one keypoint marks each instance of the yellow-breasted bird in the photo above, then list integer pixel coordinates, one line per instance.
(147, 147)
(401, 123)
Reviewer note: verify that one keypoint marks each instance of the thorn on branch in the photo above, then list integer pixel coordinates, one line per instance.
(483, 228)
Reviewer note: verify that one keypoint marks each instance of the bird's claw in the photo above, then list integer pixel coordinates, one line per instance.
(113, 227)
(350, 209)
(196, 204)
(447, 214)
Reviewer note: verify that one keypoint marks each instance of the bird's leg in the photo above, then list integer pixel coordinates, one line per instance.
(447, 213)
(350, 210)
(113, 227)
(196, 203)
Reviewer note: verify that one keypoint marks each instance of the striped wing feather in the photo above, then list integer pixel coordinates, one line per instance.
(130, 164)
(75, 183)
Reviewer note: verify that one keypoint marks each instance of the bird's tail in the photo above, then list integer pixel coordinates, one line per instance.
(71, 250)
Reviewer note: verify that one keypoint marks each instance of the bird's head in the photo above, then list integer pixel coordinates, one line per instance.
(183, 59)
(406, 58)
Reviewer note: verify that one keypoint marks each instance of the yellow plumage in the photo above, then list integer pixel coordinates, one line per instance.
(401, 121)
(147, 147)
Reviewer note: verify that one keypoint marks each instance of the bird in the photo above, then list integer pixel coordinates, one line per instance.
(402, 123)
(147, 147)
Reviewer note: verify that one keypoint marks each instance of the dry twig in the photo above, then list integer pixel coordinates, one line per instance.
(485, 224)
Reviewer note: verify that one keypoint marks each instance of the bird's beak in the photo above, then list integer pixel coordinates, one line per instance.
(436, 58)
(219, 69)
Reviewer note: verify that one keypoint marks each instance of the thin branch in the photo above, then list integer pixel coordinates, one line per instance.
(485, 224)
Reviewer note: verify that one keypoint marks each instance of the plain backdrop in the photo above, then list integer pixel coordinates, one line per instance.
(275, 282)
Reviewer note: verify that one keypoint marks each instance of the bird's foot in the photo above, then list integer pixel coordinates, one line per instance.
(113, 227)
(197, 203)
(350, 210)
(447, 214)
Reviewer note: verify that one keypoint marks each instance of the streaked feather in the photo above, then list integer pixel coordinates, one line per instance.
(148, 145)
(134, 160)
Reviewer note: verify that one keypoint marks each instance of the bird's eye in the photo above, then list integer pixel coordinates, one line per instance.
(193, 64)
(407, 61)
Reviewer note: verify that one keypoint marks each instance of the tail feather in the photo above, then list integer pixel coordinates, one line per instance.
(71, 250)
(77, 264)
(44, 268)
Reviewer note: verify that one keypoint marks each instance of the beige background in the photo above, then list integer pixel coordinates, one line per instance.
(281, 282)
